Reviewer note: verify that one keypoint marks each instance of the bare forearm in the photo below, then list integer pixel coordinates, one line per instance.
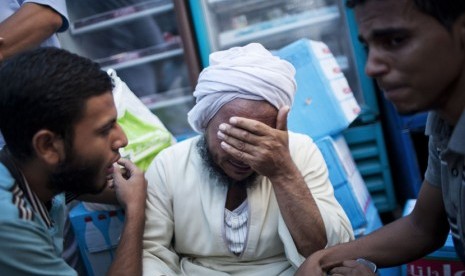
(128, 260)
(410, 237)
(394, 244)
(407, 241)
(300, 212)
(28, 28)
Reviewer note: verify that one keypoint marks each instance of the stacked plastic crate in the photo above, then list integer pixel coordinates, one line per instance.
(324, 105)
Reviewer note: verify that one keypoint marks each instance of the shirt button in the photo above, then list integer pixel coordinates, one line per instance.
(455, 172)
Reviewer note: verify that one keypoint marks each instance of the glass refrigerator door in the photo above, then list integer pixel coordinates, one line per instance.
(139, 39)
(221, 24)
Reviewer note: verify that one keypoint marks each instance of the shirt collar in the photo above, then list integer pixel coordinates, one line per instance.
(436, 126)
(37, 205)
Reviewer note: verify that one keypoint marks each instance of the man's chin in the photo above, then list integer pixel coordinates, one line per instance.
(406, 112)
(247, 182)
(81, 190)
(409, 110)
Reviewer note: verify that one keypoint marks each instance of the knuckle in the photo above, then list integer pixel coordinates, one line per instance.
(241, 146)
(241, 155)
(255, 124)
(245, 135)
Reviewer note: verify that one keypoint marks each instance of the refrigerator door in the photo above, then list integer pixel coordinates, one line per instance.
(141, 40)
(221, 24)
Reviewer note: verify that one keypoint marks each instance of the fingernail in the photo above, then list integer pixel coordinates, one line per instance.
(222, 127)
(233, 120)
(220, 134)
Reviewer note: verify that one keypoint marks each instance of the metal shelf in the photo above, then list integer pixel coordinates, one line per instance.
(108, 19)
(227, 6)
(133, 58)
(168, 98)
(170, 102)
(277, 26)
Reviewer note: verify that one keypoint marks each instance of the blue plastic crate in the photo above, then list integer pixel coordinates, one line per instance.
(324, 103)
(368, 150)
(97, 234)
(349, 188)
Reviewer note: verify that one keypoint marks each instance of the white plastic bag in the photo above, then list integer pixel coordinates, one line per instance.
(147, 135)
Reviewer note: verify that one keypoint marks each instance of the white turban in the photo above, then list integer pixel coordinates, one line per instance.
(249, 72)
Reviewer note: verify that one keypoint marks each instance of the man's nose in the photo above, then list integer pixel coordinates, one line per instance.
(376, 64)
(121, 140)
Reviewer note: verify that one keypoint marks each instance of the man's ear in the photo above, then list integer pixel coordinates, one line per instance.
(48, 146)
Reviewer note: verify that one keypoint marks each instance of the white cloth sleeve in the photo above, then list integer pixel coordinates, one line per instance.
(159, 258)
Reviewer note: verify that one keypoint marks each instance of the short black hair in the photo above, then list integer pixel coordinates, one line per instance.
(46, 88)
(445, 11)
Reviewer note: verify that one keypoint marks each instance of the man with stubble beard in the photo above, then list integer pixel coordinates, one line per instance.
(58, 118)
(245, 197)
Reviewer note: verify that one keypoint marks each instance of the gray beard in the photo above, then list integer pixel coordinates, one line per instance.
(217, 173)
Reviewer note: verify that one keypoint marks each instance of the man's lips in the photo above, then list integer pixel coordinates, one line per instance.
(111, 168)
(388, 87)
(239, 165)
(394, 94)
(392, 91)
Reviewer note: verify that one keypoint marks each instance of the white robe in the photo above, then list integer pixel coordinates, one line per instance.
(185, 217)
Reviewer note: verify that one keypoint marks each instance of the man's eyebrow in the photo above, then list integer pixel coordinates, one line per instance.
(107, 124)
(382, 33)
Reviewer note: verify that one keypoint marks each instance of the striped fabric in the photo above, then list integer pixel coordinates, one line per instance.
(235, 227)
(22, 193)
(36, 204)
(20, 202)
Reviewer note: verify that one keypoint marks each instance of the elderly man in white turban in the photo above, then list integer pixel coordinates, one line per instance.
(246, 197)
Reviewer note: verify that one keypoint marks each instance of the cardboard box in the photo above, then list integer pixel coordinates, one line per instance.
(324, 103)
(442, 262)
(97, 234)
